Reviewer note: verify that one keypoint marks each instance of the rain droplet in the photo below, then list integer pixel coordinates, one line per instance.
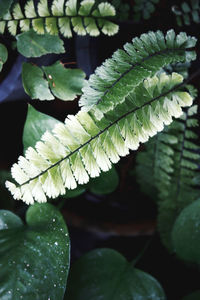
(56, 243)
(54, 220)
(54, 285)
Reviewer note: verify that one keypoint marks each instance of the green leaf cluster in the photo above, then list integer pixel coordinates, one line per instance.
(83, 17)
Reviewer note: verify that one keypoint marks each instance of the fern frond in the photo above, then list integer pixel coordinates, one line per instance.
(155, 165)
(62, 16)
(186, 160)
(84, 146)
(183, 190)
(144, 9)
(144, 57)
(187, 12)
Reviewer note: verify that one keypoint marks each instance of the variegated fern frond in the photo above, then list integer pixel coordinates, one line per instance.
(187, 12)
(84, 17)
(144, 57)
(84, 146)
(144, 8)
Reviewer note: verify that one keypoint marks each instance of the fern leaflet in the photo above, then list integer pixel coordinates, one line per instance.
(63, 16)
(85, 146)
(127, 68)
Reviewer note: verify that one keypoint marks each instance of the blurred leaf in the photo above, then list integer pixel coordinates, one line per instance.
(65, 84)
(105, 274)
(34, 83)
(3, 55)
(36, 124)
(106, 183)
(34, 258)
(193, 296)
(31, 44)
(5, 6)
(186, 233)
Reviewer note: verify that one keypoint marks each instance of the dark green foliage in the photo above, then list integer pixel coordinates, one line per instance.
(187, 12)
(143, 9)
(186, 233)
(105, 274)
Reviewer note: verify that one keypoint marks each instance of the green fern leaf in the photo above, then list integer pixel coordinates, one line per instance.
(61, 17)
(145, 56)
(84, 146)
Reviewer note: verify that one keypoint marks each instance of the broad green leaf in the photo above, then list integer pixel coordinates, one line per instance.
(31, 44)
(35, 126)
(5, 6)
(35, 85)
(105, 274)
(3, 55)
(34, 257)
(193, 296)
(106, 183)
(65, 84)
(186, 233)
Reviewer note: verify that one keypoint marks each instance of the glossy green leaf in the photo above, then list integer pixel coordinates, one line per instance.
(31, 44)
(105, 274)
(35, 126)
(106, 183)
(186, 233)
(193, 296)
(3, 55)
(65, 84)
(35, 85)
(34, 258)
(5, 6)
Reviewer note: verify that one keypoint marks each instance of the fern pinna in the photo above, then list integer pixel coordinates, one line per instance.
(83, 17)
(86, 144)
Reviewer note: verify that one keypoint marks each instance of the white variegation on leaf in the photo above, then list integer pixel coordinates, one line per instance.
(84, 146)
